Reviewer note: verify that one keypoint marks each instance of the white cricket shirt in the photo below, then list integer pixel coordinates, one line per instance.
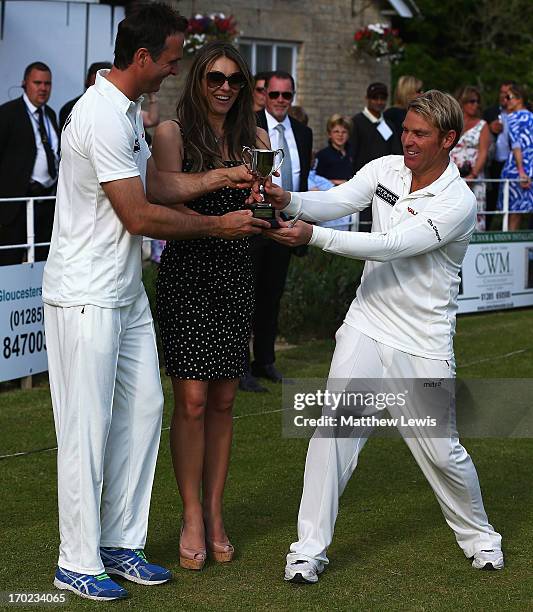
(93, 258)
(407, 298)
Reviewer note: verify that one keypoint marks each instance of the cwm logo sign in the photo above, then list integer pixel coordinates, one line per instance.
(493, 263)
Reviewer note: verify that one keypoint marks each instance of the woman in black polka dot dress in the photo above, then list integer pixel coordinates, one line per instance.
(205, 294)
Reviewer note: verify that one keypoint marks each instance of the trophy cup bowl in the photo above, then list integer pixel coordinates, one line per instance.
(262, 163)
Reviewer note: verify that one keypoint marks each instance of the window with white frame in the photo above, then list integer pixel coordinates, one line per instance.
(264, 55)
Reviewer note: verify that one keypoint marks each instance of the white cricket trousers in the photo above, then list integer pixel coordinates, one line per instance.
(108, 403)
(444, 462)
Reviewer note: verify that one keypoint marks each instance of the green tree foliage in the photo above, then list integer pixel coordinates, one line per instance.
(474, 42)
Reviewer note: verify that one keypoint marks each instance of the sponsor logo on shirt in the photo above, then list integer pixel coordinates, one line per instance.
(413, 212)
(435, 229)
(385, 194)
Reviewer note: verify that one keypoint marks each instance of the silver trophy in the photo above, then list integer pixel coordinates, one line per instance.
(263, 163)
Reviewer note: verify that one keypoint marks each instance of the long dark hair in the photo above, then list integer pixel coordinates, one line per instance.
(199, 139)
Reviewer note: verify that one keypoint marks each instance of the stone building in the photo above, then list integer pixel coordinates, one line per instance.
(311, 39)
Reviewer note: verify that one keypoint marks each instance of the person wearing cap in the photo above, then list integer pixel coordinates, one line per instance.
(372, 136)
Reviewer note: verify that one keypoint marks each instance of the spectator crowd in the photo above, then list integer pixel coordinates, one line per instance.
(496, 144)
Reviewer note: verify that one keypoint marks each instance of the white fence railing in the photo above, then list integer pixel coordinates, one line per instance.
(504, 212)
(30, 243)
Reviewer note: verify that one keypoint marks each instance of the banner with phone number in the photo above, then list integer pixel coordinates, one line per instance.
(22, 340)
(497, 272)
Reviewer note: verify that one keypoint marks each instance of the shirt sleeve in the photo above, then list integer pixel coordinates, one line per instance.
(437, 226)
(350, 197)
(514, 132)
(111, 147)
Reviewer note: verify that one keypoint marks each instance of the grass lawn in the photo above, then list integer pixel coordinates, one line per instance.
(392, 549)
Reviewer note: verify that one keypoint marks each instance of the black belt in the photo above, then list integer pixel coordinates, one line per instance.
(36, 189)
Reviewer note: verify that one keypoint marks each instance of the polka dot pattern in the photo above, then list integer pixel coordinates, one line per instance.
(205, 297)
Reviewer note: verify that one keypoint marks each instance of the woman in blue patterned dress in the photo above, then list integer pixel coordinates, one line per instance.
(519, 165)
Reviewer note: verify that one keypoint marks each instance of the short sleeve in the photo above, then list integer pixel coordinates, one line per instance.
(111, 144)
(514, 132)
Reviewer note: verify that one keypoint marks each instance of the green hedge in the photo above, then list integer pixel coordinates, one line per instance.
(319, 290)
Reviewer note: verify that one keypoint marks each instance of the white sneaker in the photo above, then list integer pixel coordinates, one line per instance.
(488, 559)
(303, 571)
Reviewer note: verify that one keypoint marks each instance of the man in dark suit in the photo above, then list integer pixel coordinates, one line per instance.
(29, 143)
(271, 260)
(372, 136)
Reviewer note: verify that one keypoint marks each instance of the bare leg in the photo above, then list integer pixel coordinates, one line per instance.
(514, 222)
(218, 435)
(187, 444)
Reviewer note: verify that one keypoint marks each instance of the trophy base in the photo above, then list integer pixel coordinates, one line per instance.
(267, 213)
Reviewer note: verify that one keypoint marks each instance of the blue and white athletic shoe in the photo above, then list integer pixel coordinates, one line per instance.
(100, 587)
(133, 565)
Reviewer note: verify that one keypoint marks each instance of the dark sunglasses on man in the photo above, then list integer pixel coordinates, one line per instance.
(216, 79)
(286, 95)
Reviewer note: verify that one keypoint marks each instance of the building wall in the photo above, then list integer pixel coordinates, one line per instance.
(329, 79)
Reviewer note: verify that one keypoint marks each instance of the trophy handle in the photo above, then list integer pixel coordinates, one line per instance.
(281, 160)
(249, 151)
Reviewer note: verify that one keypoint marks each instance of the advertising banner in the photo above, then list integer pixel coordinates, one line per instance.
(22, 341)
(497, 272)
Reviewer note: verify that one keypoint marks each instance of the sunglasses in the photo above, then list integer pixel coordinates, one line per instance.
(510, 97)
(260, 89)
(472, 101)
(216, 79)
(286, 95)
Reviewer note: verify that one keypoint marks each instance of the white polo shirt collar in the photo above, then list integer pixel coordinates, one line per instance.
(449, 175)
(114, 95)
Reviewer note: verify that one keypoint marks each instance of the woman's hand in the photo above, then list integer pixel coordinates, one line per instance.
(297, 235)
(525, 180)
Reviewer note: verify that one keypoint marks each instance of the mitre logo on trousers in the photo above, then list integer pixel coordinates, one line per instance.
(386, 194)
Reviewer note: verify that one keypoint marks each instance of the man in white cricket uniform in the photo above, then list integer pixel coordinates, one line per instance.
(401, 323)
(103, 363)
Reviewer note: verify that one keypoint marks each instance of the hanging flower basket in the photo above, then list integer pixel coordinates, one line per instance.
(205, 28)
(379, 41)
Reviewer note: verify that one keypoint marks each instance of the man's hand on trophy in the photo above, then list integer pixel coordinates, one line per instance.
(239, 177)
(238, 224)
(257, 194)
(292, 236)
(276, 195)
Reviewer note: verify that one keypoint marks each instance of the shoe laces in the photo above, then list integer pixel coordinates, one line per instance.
(140, 553)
